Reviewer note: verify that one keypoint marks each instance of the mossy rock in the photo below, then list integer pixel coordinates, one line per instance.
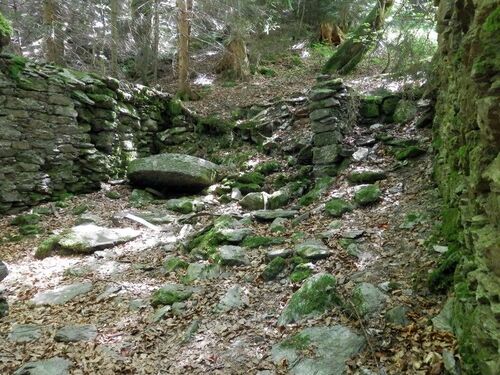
(79, 209)
(30, 229)
(390, 104)
(111, 194)
(314, 194)
(139, 197)
(214, 236)
(366, 176)
(252, 242)
(46, 247)
(175, 107)
(406, 110)
(370, 106)
(273, 269)
(252, 178)
(337, 207)
(315, 297)
(268, 168)
(175, 263)
(170, 294)
(442, 277)
(367, 195)
(181, 205)
(301, 272)
(26, 219)
(409, 153)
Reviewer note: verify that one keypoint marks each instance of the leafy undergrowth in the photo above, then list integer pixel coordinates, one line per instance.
(196, 337)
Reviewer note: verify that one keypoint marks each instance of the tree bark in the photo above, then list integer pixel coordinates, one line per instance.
(184, 88)
(54, 42)
(352, 51)
(141, 19)
(156, 39)
(234, 62)
(114, 37)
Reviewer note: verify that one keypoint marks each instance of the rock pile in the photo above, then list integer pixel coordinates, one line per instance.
(333, 114)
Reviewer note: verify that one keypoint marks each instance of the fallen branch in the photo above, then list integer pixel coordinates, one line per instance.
(142, 221)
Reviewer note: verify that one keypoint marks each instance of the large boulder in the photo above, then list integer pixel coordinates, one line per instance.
(172, 172)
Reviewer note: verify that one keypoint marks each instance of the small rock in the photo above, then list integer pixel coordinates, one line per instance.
(376, 126)
(368, 299)
(171, 293)
(440, 249)
(312, 249)
(160, 313)
(361, 154)
(278, 225)
(270, 215)
(62, 294)
(233, 299)
(367, 194)
(283, 253)
(200, 271)
(25, 333)
(74, 333)
(450, 364)
(236, 194)
(443, 320)
(353, 233)
(397, 315)
(52, 366)
(233, 256)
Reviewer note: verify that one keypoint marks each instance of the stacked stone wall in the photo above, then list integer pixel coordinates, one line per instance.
(65, 131)
(467, 168)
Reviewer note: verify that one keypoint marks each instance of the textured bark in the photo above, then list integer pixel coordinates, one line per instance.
(54, 42)
(331, 34)
(114, 36)
(235, 63)
(184, 89)
(141, 20)
(156, 38)
(352, 51)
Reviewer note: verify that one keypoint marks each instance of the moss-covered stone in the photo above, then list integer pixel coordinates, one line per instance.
(389, 105)
(112, 194)
(316, 296)
(181, 205)
(319, 189)
(139, 198)
(406, 110)
(367, 195)
(370, 106)
(170, 294)
(273, 269)
(30, 229)
(26, 219)
(268, 168)
(255, 178)
(46, 247)
(301, 272)
(409, 153)
(337, 207)
(175, 263)
(252, 242)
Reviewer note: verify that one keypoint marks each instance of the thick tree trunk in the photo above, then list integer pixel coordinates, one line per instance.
(352, 51)
(235, 63)
(156, 39)
(331, 34)
(141, 19)
(54, 42)
(114, 37)
(184, 89)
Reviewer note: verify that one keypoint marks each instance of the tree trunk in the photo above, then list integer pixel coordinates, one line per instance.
(331, 34)
(114, 37)
(141, 19)
(352, 51)
(54, 43)
(184, 88)
(234, 62)
(156, 39)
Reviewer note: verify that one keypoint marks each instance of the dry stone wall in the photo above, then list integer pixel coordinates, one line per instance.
(467, 168)
(65, 131)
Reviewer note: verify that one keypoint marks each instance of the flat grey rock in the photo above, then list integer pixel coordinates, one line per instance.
(312, 249)
(52, 366)
(88, 238)
(283, 253)
(442, 321)
(74, 333)
(25, 333)
(62, 294)
(233, 256)
(202, 271)
(368, 299)
(233, 299)
(166, 172)
(270, 215)
(318, 350)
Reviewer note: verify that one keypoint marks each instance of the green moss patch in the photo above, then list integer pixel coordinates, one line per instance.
(252, 242)
(336, 207)
(319, 189)
(301, 272)
(170, 294)
(268, 168)
(409, 153)
(273, 269)
(5, 26)
(367, 195)
(46, 247)
(26, 219)
(175, 263)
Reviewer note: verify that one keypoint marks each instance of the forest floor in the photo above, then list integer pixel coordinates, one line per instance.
(198, 337)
